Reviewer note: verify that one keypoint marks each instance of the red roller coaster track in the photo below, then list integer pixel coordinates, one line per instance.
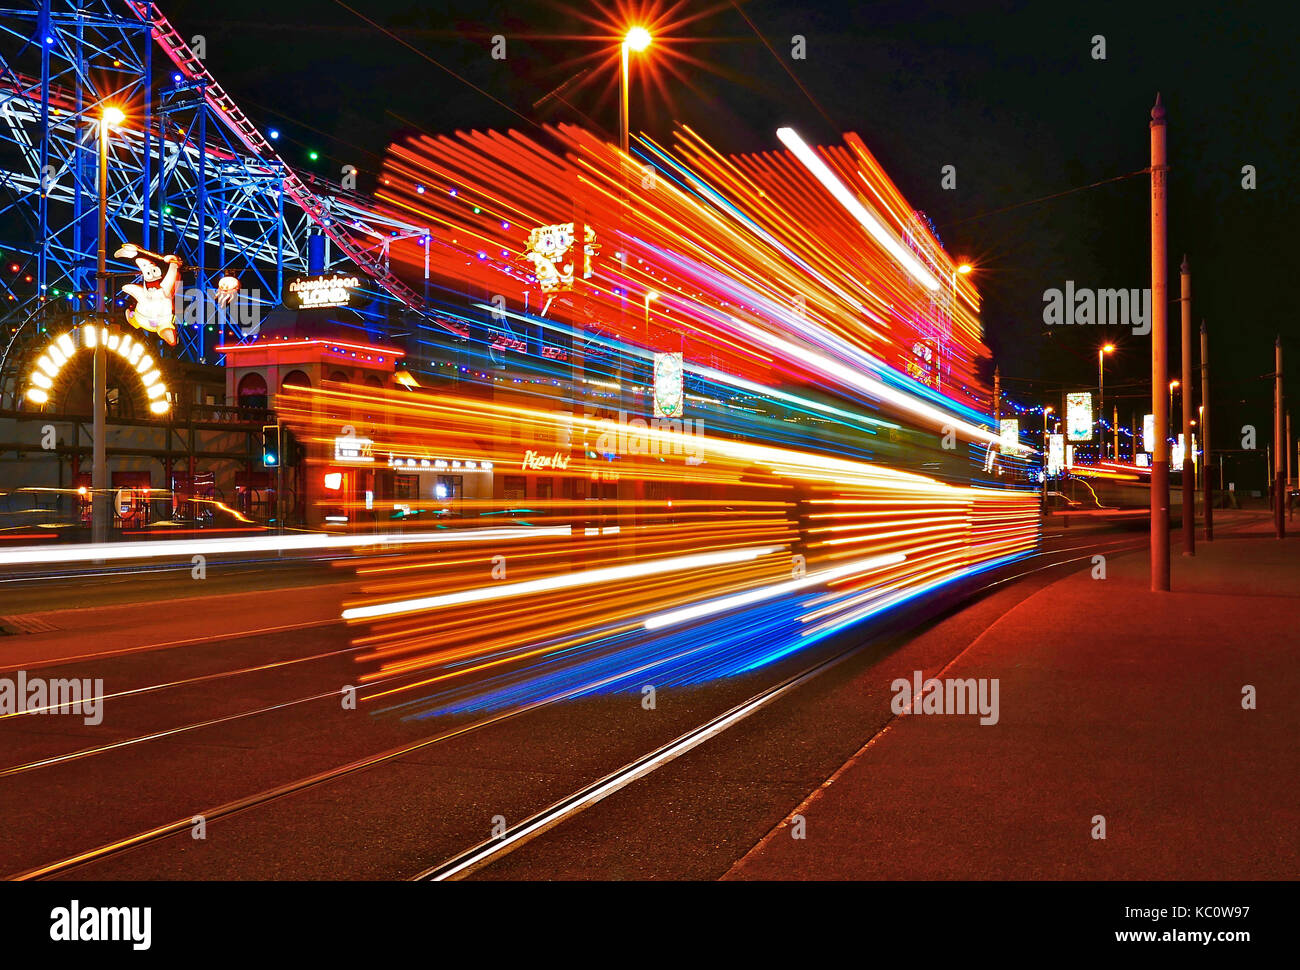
(252, 138)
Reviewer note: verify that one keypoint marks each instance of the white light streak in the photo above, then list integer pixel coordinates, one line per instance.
(170, 548)
(768, 592)
(860, 212)
(549, 584)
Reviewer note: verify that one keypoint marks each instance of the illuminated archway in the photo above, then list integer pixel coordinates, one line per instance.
(61, 349)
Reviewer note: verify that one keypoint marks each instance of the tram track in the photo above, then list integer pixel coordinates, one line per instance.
(476, 856)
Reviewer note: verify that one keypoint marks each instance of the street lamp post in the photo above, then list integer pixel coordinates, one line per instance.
(649, 295)
(637, 39)
(1188, 490)
(99, 391)
(1046, 411)
(1101, 411)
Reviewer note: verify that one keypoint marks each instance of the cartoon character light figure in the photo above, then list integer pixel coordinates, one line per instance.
(550, 251)
(155, 307)
(227, 287)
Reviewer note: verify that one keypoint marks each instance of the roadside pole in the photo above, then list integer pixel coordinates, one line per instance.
(1159, 354)
(1279, 446)
(1206, 477)
(1189, 466)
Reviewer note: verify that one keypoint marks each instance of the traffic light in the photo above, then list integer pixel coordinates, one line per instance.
(270, 445)
(292, 452)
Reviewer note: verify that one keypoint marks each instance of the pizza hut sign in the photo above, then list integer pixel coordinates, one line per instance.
(536, 462)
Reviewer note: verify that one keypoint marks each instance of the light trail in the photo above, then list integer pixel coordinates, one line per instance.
(554, 583)
(170, 549)
(847, 199)
(759, 595)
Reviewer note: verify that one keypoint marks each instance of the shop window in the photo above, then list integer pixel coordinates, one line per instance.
(516, 488)
(406, 488)
(449, 488)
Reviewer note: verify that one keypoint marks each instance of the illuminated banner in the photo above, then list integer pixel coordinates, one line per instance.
(317, 292)
(1055, 454)
(668, 385)
(1078, 416)
(1176, 458)
(921, 365)
(1149, 432)
(353, 449)
(1010, 434)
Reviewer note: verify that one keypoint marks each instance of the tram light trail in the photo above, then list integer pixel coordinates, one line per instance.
(707, 553)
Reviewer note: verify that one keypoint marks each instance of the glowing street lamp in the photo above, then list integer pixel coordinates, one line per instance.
(1101, 411)
(108, 118)
(649, 295)
(637, 39)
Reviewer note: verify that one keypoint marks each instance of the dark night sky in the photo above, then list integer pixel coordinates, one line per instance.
(1006, 92)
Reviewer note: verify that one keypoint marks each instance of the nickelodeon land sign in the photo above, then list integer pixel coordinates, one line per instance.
(320, 292)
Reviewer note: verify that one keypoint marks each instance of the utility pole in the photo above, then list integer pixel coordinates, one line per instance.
(1288, 452)
(1159, 354)
(279, 478)
(99, 374)
(1205, 434)
(1189, 466)
(1046, 449)
(1279, 446)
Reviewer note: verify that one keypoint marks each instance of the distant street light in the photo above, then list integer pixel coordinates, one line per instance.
(1101, 411)
(649, 295)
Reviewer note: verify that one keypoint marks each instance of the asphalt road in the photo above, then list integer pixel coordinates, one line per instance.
(249, 734)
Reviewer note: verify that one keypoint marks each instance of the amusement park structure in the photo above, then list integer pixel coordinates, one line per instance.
(187, 173)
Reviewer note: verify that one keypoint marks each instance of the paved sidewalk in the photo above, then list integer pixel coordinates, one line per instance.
(1113, 701)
